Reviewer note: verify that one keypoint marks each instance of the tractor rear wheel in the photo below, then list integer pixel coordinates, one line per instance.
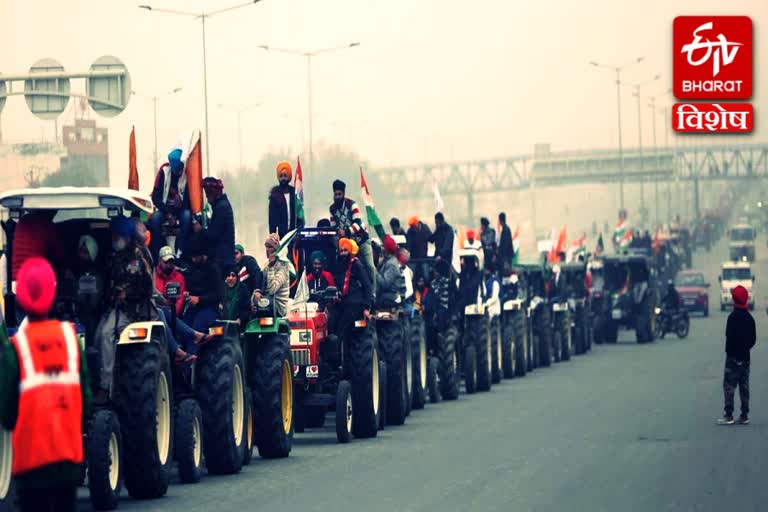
(448, 370)
(104, 469)
(365, 385)
(189, 440)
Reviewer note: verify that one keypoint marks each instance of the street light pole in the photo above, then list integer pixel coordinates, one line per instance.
(154, 113)
(308, 55)
(618, 70)
(652, 105)
(202, 16)
(640, 139)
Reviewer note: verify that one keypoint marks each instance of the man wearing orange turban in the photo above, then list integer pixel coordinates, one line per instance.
(282, 202)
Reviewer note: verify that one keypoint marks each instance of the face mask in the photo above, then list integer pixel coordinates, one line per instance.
(119, 244)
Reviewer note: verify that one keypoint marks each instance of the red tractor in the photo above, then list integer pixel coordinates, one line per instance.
(331, 372)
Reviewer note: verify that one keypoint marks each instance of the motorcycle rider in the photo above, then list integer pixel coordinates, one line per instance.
(346, 218)
(671, 300)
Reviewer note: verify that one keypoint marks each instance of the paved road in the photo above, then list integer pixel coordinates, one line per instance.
(626, 428)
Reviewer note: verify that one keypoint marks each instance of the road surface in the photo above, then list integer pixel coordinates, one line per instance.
(625, 428)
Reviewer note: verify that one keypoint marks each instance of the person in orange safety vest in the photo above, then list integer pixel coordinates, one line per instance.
(44, 395)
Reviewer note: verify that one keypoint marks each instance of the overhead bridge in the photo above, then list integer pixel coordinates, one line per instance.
(701, 162)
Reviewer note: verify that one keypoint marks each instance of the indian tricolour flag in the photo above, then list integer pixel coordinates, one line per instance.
(516, 244)
(620, 231)
(298, 183)
(370, 208)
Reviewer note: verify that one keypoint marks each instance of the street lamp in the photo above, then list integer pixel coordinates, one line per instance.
(308, 55)
(154, 112)
(640, 135)
(654, 111)
(618, 70)
(239, 111)
(202, 16)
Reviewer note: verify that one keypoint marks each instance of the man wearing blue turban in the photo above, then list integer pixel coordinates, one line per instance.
(171, 198)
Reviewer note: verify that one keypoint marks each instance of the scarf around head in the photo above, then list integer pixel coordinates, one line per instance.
(231, 297)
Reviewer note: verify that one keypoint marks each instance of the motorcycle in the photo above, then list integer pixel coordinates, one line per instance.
(672, 321)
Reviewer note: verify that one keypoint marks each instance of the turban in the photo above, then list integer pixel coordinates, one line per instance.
(284, 167)
(390, 246)
(339, 185)
(317, 256)
(740, 297)
(36, 287)
(174, 160)
(90, 245)
(413, 221)
(123, 227)
(471, 234)
(240, 248)
(348, 244)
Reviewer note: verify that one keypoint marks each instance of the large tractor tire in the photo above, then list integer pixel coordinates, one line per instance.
(606, 330)
(145, 404)
(484, 350)
(563, 327)
(382, 394)
(188, 442)
(248, 451)
(344, 412)
(470, 369)
(496, 355)
(432, 381)
(507, 346)
(543, 327)
(520, 338)
(410, 376)
(448, 370)
(365, 385)
(392, 344)
(105, 479)
(221, 395)
(271, 386)
(419, 347)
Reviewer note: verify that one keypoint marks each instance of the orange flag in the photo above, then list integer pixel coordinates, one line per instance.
(194, 170)
(133, 172)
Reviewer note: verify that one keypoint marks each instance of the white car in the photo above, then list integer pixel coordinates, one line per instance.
(733, 274)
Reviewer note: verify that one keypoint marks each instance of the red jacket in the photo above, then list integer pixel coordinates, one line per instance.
(320, 283)
(161, 280)
(35, 235)
(49, 425)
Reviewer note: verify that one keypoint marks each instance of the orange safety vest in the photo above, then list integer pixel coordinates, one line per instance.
(49, 425)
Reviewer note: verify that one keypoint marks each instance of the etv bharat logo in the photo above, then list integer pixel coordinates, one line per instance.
(712, 57)
(724, 51)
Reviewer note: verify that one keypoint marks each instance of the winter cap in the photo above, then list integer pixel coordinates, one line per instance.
(284, 166)
(166, 254)
(213, 183)
(174, 160)
(339, 185)
(484, 221)
(123, 227)
(471, 234)
(413, 221)
(90, 245)
(740, 297)
(349, 245)
(240, 248)
(390, 246)
(272, 241)
(36, 287)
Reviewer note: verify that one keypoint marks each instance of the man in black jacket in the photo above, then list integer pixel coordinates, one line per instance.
(506, 246)
(740, 337)
(394, 225)
(354, 283)
(220, 235)
(443, 240)
(205, 287)
(248, 270)
(282, 203)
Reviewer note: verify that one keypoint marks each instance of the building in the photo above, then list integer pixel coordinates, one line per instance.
(87, 149)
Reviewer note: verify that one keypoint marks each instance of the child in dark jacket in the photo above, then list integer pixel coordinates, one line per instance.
(740, 337)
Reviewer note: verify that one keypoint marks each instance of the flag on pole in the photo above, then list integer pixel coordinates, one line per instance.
(620, 231)
(516, 245)
(133, 171)
(557, 246)
(192, 157)
(439, 204)
(298, 183)
(600, 248)
(626, 239)
(370, 208)
(302, 290)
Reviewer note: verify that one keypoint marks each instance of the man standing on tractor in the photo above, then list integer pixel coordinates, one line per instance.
(171, 198)
(506, 254)
(394, 225)
(443, 240)
(282, 203)
(418, 243)
(488, 242)
(45, 396)
(346, 218)
(276, 277)
(220, 235)
(130, 286)
(248, 270)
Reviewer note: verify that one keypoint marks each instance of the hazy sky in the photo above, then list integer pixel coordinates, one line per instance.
(431, 79)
